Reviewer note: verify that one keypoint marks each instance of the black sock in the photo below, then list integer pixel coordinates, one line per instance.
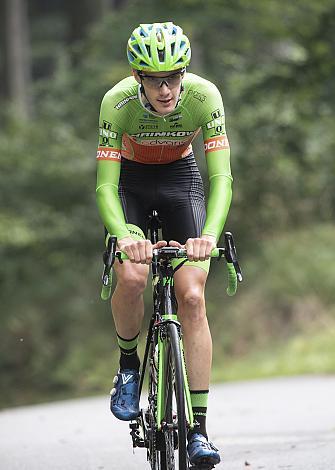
(128, 348)
(199, 414)
(199, 399)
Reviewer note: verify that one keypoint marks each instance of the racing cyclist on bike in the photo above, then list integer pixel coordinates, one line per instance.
(144, 162)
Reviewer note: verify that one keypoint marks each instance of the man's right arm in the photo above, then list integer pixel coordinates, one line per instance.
(108, 171)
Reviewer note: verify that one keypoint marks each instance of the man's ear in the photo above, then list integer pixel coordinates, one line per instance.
(136, 76)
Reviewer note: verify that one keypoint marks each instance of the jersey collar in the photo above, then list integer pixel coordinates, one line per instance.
(147, 106)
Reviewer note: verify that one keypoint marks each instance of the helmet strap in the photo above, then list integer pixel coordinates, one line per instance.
(142, 90)
(179, 97)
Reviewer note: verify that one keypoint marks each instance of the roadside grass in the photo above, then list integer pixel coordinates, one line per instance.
(282, 321)
(312, 353)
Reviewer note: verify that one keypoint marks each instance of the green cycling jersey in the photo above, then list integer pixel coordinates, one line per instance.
(129, 128)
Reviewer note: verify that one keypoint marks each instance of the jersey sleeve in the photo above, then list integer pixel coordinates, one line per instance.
(217, 153)
(108, 169)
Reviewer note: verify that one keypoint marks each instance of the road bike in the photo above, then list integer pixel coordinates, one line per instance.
(162, 426)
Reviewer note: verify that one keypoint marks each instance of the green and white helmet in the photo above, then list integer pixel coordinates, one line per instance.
(158, 47)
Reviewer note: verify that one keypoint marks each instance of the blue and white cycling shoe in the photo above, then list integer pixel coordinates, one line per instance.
(202, 452)
(124, 396)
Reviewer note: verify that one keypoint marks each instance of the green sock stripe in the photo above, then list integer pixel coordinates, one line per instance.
(127, 344)
(128, 353)
(199, 399)
(128, 350)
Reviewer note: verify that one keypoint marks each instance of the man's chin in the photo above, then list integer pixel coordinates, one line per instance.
(165, 109)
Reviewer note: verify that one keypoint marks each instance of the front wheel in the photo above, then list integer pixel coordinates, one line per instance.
(175, 419)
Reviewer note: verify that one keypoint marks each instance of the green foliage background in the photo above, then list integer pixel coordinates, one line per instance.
(274, 63)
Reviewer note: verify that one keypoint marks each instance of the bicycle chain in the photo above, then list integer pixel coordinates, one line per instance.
(170, 450)
(154, 448)
(152, 441)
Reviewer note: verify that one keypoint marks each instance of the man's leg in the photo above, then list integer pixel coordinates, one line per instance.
(127, 300)
(190, 285)
(128, 311)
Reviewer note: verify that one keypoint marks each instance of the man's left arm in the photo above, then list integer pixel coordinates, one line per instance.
(217, 153)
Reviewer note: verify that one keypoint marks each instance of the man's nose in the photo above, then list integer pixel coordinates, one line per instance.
(164, 88)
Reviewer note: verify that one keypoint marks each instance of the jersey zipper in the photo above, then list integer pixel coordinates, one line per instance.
(160, 157)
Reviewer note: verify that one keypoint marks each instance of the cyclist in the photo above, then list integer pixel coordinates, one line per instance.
(146, 162)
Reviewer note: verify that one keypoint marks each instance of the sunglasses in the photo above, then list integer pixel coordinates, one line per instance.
(171, 81)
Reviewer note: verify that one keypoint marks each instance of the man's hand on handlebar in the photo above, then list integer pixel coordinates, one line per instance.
(198, 249)
(139, 251)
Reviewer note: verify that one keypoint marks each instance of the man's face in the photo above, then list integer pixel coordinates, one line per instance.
(162, 89)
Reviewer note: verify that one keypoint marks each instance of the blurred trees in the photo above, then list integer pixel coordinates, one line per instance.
(18, 54)
(274, 63)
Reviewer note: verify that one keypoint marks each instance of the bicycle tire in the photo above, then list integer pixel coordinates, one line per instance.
(176, 389)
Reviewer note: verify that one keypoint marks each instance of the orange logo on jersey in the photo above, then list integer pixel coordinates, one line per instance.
(216, 143)
(108, 153)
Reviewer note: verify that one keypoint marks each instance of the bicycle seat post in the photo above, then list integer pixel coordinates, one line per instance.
(153, 226)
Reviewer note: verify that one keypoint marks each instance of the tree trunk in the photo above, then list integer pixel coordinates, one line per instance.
(18, 56)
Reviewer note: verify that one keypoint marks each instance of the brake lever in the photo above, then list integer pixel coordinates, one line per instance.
(109, 259)
(231, 254)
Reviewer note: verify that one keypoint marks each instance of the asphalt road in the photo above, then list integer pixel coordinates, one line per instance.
(286, 424)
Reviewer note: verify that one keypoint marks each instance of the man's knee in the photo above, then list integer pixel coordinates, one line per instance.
(132, 278)
(191, 297)
(192, 304)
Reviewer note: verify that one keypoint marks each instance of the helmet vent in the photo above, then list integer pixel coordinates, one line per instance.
(137, 48)
(161, 55)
